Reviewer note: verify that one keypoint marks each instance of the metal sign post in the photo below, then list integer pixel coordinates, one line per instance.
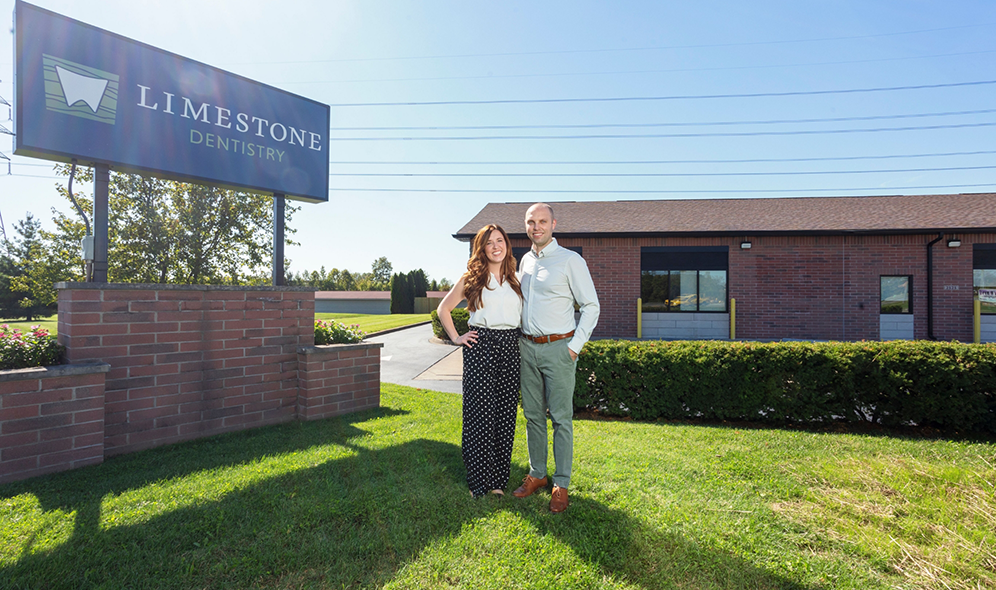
(101, 179)
(278, 240)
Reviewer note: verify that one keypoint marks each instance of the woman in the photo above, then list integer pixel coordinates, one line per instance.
(490, 358)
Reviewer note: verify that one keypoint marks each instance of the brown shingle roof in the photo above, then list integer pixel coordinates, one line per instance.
(919, 213)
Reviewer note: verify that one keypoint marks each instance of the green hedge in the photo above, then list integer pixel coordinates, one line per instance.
(944, 385)
(460, 317)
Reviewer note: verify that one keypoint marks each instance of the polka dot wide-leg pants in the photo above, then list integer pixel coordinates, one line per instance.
(490, 402)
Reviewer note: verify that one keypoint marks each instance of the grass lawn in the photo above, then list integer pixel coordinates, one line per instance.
(50, 323)
(378, 499)
(375, 323)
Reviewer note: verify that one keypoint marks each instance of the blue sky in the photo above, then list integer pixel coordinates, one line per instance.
(698, 61)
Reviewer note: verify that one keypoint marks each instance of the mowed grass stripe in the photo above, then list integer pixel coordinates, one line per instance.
(371, 323)
(378, 499)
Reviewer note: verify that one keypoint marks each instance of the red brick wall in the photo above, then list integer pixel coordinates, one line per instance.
(953, 293)
(51, 419)
(338, 379)
(807, 287)
(188, 361)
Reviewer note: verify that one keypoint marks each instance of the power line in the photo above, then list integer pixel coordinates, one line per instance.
(611, 191)
(653, 174)
(673, 97)
(678, 124)
(622, 49)
(629, 162)
(649, 192)
(648, 162)
(628, 72)
(28, 176)
(670, 135)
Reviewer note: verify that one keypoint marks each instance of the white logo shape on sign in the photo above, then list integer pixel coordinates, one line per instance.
(76, 88)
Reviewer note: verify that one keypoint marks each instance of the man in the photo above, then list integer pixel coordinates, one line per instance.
(553, 279)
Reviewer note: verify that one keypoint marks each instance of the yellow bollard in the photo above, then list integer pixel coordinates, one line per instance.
(733, 319)
(977, 320)
(639, 317)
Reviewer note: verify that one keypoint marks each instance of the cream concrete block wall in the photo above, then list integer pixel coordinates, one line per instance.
(686, 326)
(895, 326)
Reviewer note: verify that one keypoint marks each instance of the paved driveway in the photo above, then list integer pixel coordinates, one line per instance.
(409, 357)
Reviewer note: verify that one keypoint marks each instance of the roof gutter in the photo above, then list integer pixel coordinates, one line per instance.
(930, 285)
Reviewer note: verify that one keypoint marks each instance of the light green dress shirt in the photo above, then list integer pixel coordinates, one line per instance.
(551, 282)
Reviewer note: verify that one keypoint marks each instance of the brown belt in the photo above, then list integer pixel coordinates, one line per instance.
(550, 338)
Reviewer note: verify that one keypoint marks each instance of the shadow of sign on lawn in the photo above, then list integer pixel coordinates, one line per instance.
(356, 521)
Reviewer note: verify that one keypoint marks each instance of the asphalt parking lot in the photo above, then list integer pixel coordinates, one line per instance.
(410, 357)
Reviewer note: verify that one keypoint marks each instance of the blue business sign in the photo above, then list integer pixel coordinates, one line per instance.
(82, 92)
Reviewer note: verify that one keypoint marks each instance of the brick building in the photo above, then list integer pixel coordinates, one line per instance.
(820, 268)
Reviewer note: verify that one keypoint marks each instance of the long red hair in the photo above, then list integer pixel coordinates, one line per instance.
(477, 276)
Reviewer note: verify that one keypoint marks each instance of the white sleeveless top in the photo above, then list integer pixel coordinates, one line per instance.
(501, 308)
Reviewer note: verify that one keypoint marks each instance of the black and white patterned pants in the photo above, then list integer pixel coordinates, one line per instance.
(490, 402)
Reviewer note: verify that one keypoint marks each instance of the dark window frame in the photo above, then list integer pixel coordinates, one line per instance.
(677, 259)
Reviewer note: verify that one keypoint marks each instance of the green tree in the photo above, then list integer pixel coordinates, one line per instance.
(381, 271)
(9, 298)
(418, 282)
(31, 282)
(162, 231)
(402, 300)
(347, 281)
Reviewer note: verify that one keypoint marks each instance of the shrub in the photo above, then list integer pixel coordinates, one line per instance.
(36, 348)
(460, 317)
(332, 332)
(943, 385)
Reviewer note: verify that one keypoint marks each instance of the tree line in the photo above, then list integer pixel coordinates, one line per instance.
(160, 232)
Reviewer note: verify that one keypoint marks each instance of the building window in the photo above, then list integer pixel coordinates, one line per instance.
(684, 279)
(895, 295)
(984, 273)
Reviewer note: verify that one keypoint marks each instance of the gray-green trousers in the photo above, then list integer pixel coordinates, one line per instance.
(547, 383)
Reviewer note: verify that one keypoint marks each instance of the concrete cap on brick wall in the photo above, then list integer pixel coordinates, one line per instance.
(54, 371)
(164, 287)
(325, 348)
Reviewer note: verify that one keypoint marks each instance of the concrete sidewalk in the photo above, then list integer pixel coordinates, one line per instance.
(449, 368)
(410, 358)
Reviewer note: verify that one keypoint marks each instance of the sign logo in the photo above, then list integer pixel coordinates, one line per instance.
(79, 90)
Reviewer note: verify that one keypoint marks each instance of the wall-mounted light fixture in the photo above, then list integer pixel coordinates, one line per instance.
(745, 245)
(954, 243)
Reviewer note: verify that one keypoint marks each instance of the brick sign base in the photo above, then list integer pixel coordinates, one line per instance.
(184, 362)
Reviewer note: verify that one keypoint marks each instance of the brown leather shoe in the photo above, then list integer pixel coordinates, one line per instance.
(558, 500)
(529, 485)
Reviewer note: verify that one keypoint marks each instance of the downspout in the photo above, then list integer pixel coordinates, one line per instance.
(930, 285)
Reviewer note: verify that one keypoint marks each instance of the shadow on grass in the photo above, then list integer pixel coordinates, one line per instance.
(82, 491)
(351, 522)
